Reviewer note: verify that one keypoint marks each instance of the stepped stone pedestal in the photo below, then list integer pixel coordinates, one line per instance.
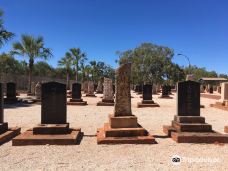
(76, 96)
(123, 127)
(53, 130)
(188, 126)
(6, 134)
(226, 129)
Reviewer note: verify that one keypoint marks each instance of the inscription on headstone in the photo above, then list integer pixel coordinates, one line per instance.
(76, 91)
(122, 94)
(53, 103)
(147, 92)
(188, 98)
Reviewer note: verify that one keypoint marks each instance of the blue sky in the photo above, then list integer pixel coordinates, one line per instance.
(196, 28)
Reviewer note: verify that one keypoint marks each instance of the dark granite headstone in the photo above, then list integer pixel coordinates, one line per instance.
(147, 92)
(76, 91)
(188, 98)
(11, 90)
(211, 90)
(1, 104)
(53, 103)
(165, 90)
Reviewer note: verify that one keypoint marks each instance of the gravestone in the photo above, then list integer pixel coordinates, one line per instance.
(188, 126)
(123, 126)
(90, 92)
(107, 99)
(224, 92)
(108, 91)
(85, 87)
(165, 90)
(99, 87)
(53, 103)
(1, 104)
(76, 91)
(188, 98)
(38, 91)
(33, 87)
(147, 97)
(11, 90)
(154, 89)
(211, 90)
(147, 92)
(123, 96)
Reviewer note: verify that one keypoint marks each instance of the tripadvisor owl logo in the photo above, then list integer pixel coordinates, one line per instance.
(175, 160)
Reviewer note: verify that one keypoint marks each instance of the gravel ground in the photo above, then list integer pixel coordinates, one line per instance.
(90, 156)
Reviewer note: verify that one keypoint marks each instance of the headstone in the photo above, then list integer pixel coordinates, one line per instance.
(38, 90)
(90, 88)
(224, 92)
(11, 90)
(76, 91)
(33, 87)
(190, 77)
(108, 91)
(165, 90)
(122, 94)
(211, 90)
(53, 103)
(147, 92)
(188, 98)
(99, 87)
(1, 103)
(85, 87)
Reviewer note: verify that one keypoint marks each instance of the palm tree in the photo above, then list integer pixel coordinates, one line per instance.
(78, 58)
(4, 34)
(31, 48)
(66, 62)
(93, 69)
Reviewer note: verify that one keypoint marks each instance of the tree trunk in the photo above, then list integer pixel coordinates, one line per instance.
(67, 74)
(76, 73)
(30, 79)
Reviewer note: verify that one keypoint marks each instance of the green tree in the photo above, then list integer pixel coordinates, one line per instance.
(42, 68)
(78, 57)
(66, 62)
(31, 48)
(4, 34)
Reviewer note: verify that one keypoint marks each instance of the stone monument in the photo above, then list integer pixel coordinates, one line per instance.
(90, 92)
(166, 90)
(223, 102)
(54, 129)
(188, 126)
(99, 89)
(85, 87)
(123, 126)
(76, 96)
(107, 99)
(10, 93)
(147, 97)
(38, 92)
(6, 134)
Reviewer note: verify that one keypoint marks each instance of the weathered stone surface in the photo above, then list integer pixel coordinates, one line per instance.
(108, 91)
(99, 87)
(85, 87)
(188, 98)
(38, 90)
(33, 86)
(90, 88)
(11, 90)
(154, 89)
(53, 103)
(1, 104)
(224, 92)
(147, 92)
(123, 96)
(76, 91)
